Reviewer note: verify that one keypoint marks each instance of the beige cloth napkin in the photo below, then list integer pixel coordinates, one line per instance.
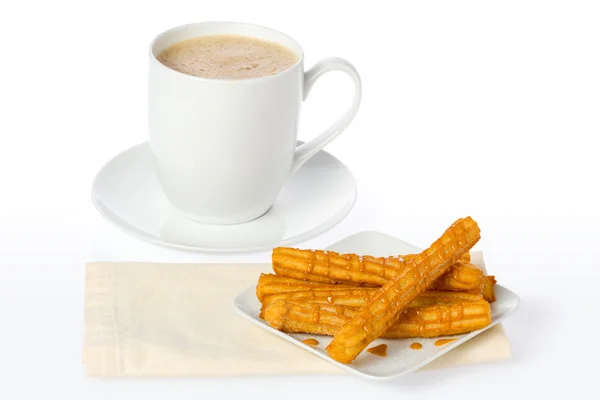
(177, 320)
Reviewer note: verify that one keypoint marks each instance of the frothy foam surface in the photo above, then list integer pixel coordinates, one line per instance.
(228, 57)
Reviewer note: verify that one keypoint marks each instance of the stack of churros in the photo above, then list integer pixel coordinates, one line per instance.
(357, 299)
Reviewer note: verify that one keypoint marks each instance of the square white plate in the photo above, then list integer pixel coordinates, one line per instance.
(400, 359)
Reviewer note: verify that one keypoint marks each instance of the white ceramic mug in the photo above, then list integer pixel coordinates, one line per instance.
(224, 148)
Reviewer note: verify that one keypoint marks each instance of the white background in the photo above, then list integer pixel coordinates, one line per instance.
(489, 109)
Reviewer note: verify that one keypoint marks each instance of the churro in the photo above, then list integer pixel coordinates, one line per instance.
(375, 318)
(423, 321)
(359, 297)
(331, 267)
(462, 276)
(272, 284)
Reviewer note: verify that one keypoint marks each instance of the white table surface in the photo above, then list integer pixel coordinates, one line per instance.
(469, 109)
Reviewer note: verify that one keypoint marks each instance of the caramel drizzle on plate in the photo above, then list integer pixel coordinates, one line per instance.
(441, 342)
(380, 350)
(416, 346)
(311, 342)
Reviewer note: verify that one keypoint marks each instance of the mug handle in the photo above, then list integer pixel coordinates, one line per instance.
(309, 149)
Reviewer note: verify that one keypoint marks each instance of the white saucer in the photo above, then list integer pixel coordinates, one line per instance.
(127, 193)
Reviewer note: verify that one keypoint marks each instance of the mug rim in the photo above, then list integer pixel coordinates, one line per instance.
(220, 80)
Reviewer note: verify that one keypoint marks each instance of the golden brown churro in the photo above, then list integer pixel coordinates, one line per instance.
(441, 320)
(375, 318)
(359, 296)
(272, 284)
(462, 276)
(423, 321)
(331, 267)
